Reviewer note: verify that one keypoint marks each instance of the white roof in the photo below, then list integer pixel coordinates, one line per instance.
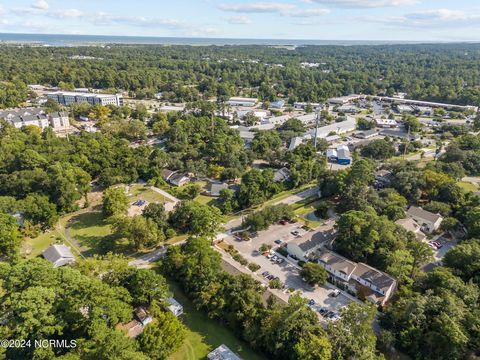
(57, 252)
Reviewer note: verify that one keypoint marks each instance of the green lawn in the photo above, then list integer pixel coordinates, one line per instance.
(468, 186)
(143, 192)
(205, 334)
(34, 247)
(90, 229)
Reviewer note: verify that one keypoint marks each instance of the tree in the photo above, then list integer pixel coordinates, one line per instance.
(156, 212)
(39, 210)
(145, 286)
(139, 231)
(10, 237)
(379, 149)
(312, 347)
(163, 337)
(115, 201)
(314, 274)
(355, 319)
(412, 124)
(364, 124)
(463, 259)
(196, 219)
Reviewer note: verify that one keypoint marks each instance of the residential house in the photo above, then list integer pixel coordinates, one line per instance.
(179, 179)
(304, 246)
(223, 353)
(400, 134)
(214, 188)
(353, 276)
(59, 255)
(410, 224)
(174, 307)
(429, 221)
(174, 177)
(381, 283)
(336, 265)
(383, 178)
(281, 175)
(137, 325)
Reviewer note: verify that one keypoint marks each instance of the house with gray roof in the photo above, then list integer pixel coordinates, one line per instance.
(223, 353)
(59, 255)
(429, 221)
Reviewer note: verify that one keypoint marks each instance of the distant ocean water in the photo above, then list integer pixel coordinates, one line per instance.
(77, 40)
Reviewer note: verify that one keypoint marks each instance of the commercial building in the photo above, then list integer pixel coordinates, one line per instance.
(386, 123)
(242, 101)
(338, 128)
(304, 246)
(343, 155)
(366, 134)
(341, 100)
(304, 105)
(68, 97)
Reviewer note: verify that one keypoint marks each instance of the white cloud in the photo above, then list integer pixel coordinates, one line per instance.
(262, 7)
(363, 3)
(68, 13)
(432, 18)
(308, 12)
(273, 8)
(238, 20)
(138, 21)
(40, 5)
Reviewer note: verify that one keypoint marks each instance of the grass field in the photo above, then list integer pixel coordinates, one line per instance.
(89, 229)
(143, 192)
(205, 334)
(468, 186)
(34, 247)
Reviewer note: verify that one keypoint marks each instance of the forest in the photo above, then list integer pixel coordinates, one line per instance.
(447, 73)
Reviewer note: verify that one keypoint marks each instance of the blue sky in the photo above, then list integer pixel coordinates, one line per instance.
(436, 20)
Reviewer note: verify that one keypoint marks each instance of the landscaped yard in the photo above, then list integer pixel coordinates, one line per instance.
(144, 192)
(205, 334)
(89, 229)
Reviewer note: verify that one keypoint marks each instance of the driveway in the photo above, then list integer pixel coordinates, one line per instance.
(298, 196)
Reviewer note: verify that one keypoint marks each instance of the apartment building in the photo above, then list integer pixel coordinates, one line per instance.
(68, 97)
(36, 117)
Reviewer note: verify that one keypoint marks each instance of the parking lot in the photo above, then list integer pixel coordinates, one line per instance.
(287, 272)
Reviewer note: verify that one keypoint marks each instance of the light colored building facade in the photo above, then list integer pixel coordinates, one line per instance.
(242, 101)
(68, 97)
(36, 117)
(429, 221)
(353, 276)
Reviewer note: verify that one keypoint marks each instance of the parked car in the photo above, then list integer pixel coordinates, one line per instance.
(322, 311)
(274, 258)
(280, 260)
(295, 233)
(265, 273)
(311, 302)
(270, 277)
(334, 293)
(270, 255)
(283, 222)
(279, 242)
